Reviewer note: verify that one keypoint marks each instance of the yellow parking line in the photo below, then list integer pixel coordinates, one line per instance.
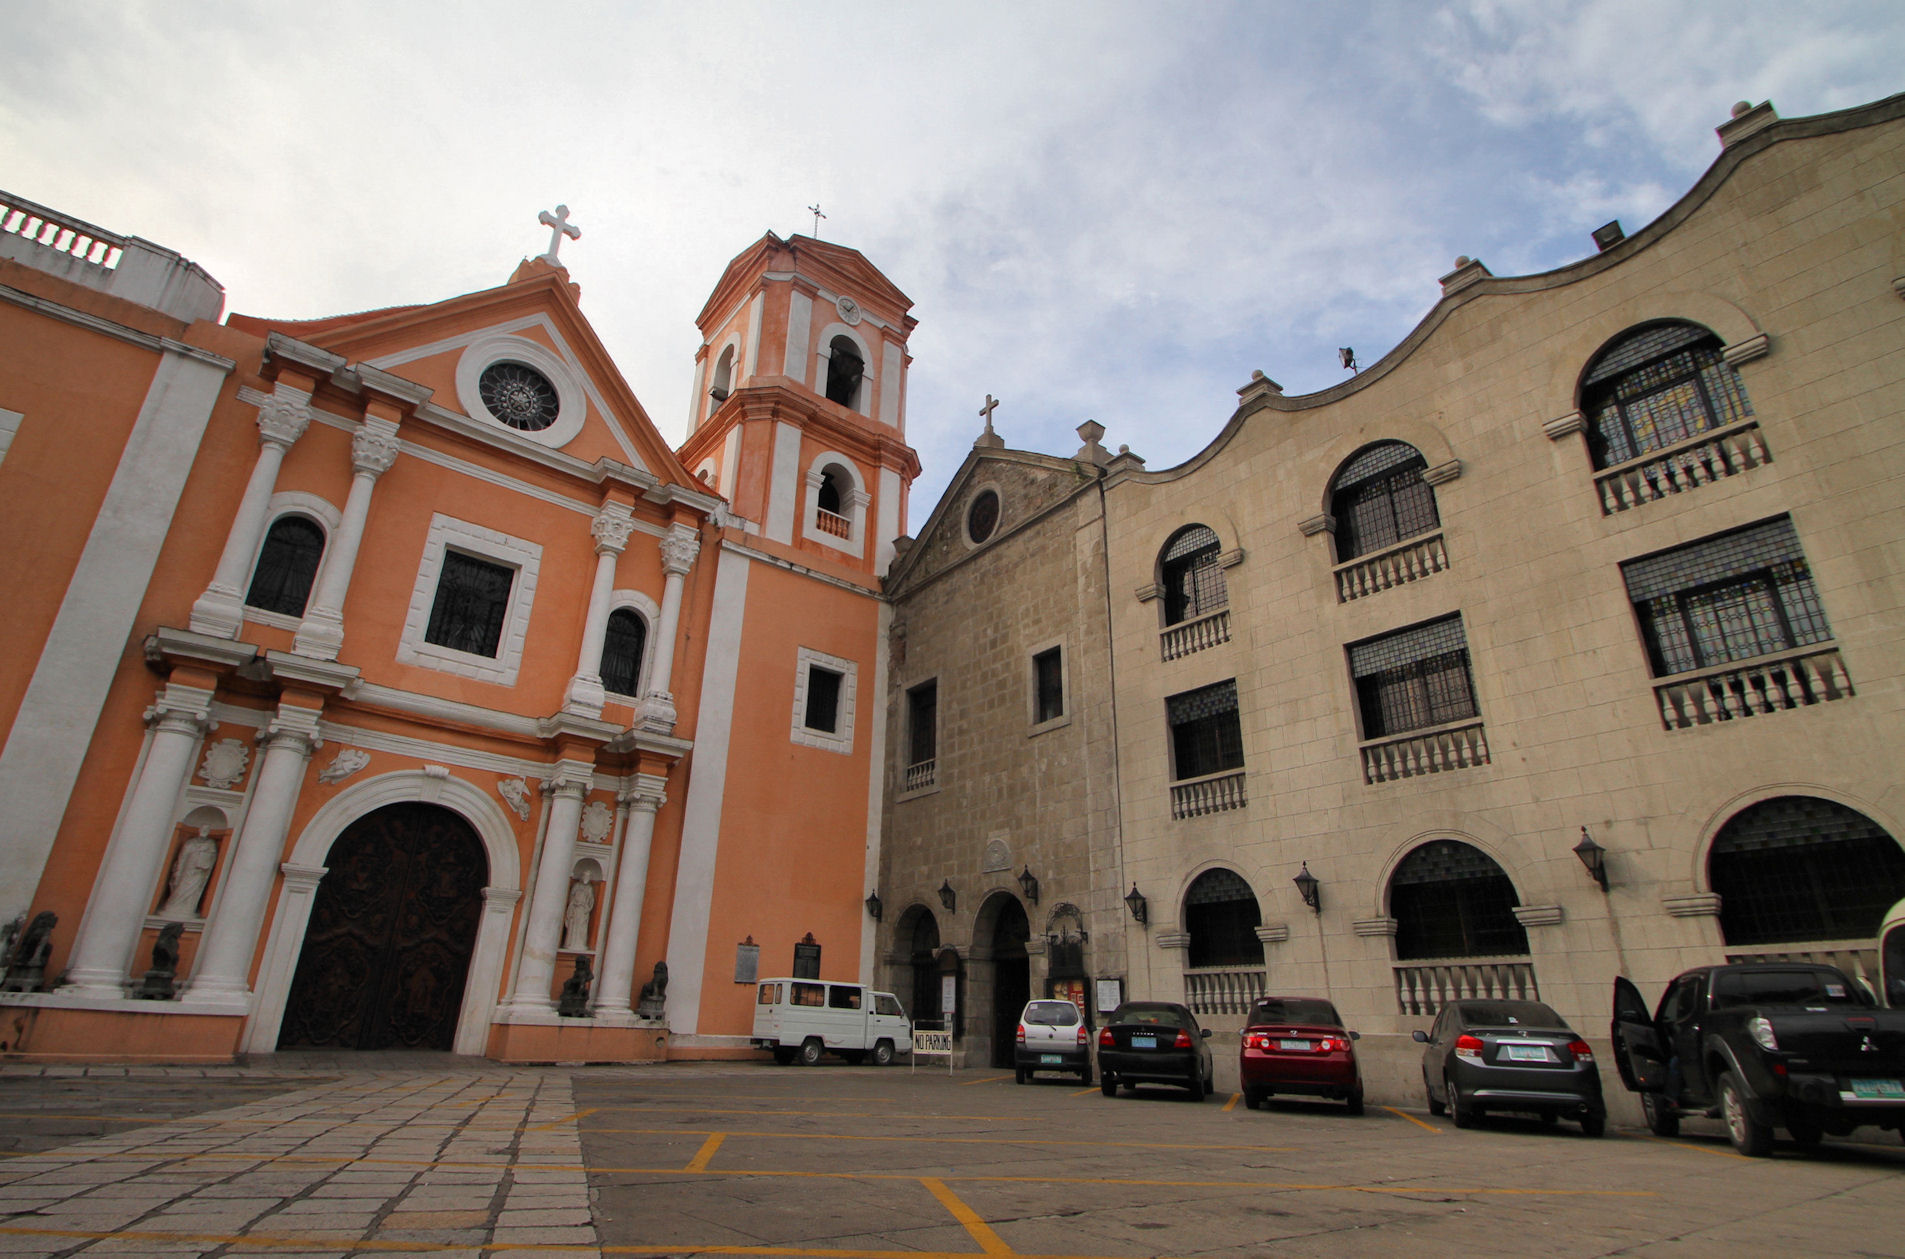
(566, 1119)
(1232, 1103)
(1227, 1146)
(699, 1163)
(991, 1079)
(1689, 1145)
(1082, 1092)
(1412, 1119)
(989, 1242)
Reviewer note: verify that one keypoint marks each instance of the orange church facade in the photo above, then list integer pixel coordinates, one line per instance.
(386, 680)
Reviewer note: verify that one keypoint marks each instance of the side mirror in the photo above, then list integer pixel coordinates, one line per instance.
(1206, 1033)
(1419, 1036)
(1355, 1035)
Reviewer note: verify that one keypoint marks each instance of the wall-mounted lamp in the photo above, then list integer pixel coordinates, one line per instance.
(873, 904)
(1310, 888)
(947, 896)
(1028, 883)
(1135, 900)
(1594, 857)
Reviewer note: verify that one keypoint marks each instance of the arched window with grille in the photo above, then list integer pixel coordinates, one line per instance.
(1380, 498)
(1221, 916)
(1800, 868)
(1451, 899)
(1655, 386)
(622, 645)
(1189, 572)
(287, 565)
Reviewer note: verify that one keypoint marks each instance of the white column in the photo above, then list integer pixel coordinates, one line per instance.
(678, 551)
(550, 897)
(281, 956)
(611, 529)
(220, 611)
(617, 978)
(373, 449)
(122, 893)
(223, 968)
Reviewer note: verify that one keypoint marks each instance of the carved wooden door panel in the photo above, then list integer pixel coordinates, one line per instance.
(388, 947)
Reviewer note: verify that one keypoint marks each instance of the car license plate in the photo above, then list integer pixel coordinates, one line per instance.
(1052, 1058)
(1526, 1053)
(1299, 1045)
(1892, 1090)
(1144, 1042)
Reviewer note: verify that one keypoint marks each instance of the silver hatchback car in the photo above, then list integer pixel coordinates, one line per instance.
(1052, 1037)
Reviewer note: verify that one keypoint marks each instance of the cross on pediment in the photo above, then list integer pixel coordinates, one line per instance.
(559, 226)
(992, 404)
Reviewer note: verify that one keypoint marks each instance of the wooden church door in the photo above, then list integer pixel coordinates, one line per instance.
(388, 948)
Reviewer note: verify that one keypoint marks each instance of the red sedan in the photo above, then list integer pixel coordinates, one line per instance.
(1298, 1045)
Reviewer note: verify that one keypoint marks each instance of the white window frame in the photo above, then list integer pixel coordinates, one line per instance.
(854, 498)
(805, 661)
(500, 347)
(650, 612)
(1064, 718)
(292, 503)
(447, 532)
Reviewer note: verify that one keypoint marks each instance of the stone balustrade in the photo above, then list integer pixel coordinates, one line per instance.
(1224, 989)
(1215, 793)
(1712, 456)
(832, 522)
(1205, 631)
(1423, 988)
(1769, 684)
(920, 775)
(63, 234)
(1460, 745)
(1857, 958)
(1398, 565)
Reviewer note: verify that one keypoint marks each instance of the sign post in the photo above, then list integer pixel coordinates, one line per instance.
(932, 1043)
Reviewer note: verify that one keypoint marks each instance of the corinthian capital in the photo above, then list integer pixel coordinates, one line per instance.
(678, 550)
(611, 529)
(284, 416)
(373, 450)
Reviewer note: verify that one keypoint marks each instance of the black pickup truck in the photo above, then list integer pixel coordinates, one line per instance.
(1763, 1045)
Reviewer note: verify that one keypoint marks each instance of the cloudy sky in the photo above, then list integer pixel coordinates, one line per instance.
(1103, 211)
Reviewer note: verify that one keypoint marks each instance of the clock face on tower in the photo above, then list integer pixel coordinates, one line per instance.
(849, 310)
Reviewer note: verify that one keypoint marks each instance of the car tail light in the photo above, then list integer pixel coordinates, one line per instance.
(1021, 1033)
(1183, 1041)
(1581, 1052)
(1332, 1045)
(1256, 1040)
(1105, 1041)
(1469, 1049)
(1082, 1038)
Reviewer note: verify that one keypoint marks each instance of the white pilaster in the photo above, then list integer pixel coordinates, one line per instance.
(123, 891)
(892, 363)
(888, 526)
(800, 314)
(550, 896)
(617, 978)
(678, 551)
(374, 448)
(220, 611)
(613, 523)
(784, 489)
(223, 968)
(281, 956)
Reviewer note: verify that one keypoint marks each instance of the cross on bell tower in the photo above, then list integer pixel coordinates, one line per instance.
(559, 226)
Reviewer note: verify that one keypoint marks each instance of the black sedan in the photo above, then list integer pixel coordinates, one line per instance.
(1510, 1055)
(1154, 1042)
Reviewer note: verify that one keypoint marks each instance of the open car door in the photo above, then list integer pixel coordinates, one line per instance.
(1638, 1053)
(1892, 957)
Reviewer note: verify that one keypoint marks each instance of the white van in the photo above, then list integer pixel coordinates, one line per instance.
(804, 1018)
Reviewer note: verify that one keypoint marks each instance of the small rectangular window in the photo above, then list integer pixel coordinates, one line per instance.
(1205, 735)
(807, 960)
(823, 700)
(1048, 682)
(471, 603)
(1413, 678)
(922, 723)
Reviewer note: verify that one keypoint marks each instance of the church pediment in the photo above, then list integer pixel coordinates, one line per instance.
(996, 494)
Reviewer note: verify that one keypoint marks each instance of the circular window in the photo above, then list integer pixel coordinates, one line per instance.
(519, 396)
(983, 516)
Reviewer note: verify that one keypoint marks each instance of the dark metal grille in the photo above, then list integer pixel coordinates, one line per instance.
(1413, 678)
(1450, 899)
(287, 565)
(1800, 868)
(1732, 597)
(1193, 583)
(1049, 677)
(622, 646)
(1205, 735)
(823, 700)
(922, 722)
(1659, 386)
(1222, 916)
(519, 396)
(983, 518)
(1380, 499)
(472, 601)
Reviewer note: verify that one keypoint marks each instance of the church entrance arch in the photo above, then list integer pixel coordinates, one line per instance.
(918, 938)
(386, 955)
(1002, 924)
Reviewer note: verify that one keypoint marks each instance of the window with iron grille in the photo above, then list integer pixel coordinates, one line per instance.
(1729, 597)
(1451, 899)
(471, 603)
(922, 723)
(1048, 682)
(1800, 868)
(622, 646)
(1413, 678)
(823, 700)
(1656, 386)
(1205, 735)
(1221, 916)
(1380, 498)
(287, 565)
(1193, 583)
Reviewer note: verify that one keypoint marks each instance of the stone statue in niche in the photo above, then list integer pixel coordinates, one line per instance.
(224, 764)
(191, 871)
(26, 965)
(654, 994)
(516, 792)
(575, 919)
(157, 984)
(574, 1002)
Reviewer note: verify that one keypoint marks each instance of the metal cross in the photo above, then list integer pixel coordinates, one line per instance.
(992, 404)
(814, 210)
(559, 226)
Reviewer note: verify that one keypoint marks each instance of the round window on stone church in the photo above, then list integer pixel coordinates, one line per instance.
(983, 516)
(519, 396)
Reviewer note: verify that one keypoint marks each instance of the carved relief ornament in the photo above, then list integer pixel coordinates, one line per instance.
(224, 764)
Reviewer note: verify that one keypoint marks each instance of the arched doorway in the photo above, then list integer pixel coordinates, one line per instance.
(919, 935)
(1011, 975)
(387, 952)
(1798, 868)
